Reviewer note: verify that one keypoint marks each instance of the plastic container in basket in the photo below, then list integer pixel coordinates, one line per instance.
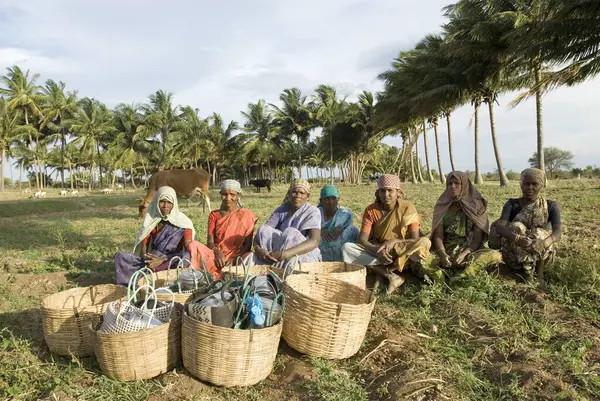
(67, 315)
(142, 354)
(350, 273)
(228, 357)
(325, 317)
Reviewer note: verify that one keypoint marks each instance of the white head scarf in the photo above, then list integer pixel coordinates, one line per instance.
(154, 216)
(232, 185)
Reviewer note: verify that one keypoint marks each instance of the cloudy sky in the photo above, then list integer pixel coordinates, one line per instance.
(218, 56)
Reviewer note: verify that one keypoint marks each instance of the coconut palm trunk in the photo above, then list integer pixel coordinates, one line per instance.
(37, 178)
(299, 157)
(478, 176)
(429, 175)
(437, 150)
(503, 178)
(540, 126)
(2, 156)
(449, 125)
(21, 176)
(419, 173)
(412, 167)
(63, 146)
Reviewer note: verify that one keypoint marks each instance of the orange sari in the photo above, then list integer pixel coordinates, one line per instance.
(229, 233)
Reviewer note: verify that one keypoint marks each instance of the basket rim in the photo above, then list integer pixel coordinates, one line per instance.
(75, 290)
(371, 298)
(349, 267)
(187, 317)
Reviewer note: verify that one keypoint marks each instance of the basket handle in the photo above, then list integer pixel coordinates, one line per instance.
(134, 295)
(135, 278)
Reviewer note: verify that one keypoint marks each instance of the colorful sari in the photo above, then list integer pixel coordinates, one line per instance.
(166, 243)
(532, 222)
(394, 225)
(284, 231)
(343, 220)
(458, 227)
(229, 233)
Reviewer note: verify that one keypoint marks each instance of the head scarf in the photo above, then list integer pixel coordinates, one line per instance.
(389, 181)
(536, 174)
(232, 185)
(154, 215)
(471, 201)
(299, 182)
(329, 191)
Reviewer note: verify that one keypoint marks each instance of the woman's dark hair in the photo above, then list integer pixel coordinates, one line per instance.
(377, 200)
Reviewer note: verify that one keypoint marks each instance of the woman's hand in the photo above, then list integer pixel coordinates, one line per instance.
(460, 259)
(263, 254)
(220, 261)
(153, 261)
(277, 256)
(445, 261)
(384, 251)
(538, 246)
(523, 241)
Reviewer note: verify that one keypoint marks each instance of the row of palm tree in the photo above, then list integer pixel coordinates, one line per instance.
(486, 48)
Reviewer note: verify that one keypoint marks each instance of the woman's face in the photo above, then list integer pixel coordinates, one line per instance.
(298, 197)
(330, 204)
(530, 187)
(165, 207)
(388, 196)
(454, 186)
(229, 198)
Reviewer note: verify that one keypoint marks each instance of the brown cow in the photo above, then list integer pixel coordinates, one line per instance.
(186, 184)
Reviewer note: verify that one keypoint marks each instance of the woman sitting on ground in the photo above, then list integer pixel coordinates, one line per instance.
(230, 231)
(459, 231)
(294, 228)
(165, 233)
(337, 227)
(389, 235)
(528, 227)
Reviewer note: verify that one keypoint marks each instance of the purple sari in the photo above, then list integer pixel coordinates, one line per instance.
(165, 244)
(283, 231)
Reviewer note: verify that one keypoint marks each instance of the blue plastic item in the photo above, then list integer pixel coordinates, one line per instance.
(255, 306)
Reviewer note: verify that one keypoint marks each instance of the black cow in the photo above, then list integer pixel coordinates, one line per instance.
(262, 183)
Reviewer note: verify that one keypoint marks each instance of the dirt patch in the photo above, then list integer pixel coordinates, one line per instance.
(48, 283)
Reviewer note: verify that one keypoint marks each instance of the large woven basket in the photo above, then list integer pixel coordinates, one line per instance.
(325, 317)
(139, 355)
(228, 357)
(350, 273)
(67, 314)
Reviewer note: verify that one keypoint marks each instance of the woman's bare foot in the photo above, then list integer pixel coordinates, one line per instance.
(395, 281)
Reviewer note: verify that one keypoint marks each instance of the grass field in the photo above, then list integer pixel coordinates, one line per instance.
(489, 338)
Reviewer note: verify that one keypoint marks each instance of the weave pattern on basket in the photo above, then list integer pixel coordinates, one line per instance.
(66, 316)
(139, 355)
(238, 271)
(228, 357)
(350, 273)
(325, 317)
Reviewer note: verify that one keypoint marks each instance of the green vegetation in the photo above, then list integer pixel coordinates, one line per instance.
(492, 337)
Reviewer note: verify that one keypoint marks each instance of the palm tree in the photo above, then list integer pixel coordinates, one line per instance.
(478, 176)
(130, 140)
(259, 135)
(294, 119)
(429, 175)
(328, 112)
(218, 138)
(190, 137)
(23, 94)
(58, 106)
(477, 39)
(160, 119)
(91, 122)
(8, 131)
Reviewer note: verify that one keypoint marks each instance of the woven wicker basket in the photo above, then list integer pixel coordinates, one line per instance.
(228, 357)
(67, 314)
(350, 273)
(238, 271)
(161, 279)
(325, 317)
(139, 355)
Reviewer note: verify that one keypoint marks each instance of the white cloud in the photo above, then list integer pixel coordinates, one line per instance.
(220, 56)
